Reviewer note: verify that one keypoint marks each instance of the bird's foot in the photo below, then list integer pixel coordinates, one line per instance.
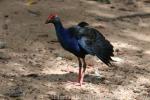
(76, 83)
(66, 70)
(72, 82)
(80, 84)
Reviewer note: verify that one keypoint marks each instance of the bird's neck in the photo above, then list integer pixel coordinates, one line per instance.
(59, 27)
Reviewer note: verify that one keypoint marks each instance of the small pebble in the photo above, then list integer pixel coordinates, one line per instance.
(2, 45)
(6, 16)
(5, 26)
(59, 58)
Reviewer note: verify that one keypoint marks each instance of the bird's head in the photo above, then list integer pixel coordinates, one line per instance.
(52, 18)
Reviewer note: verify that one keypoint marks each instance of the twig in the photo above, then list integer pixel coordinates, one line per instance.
(100, 18)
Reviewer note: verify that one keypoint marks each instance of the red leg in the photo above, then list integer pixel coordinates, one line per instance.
(83, 73)
(80, 74)
(79, 77)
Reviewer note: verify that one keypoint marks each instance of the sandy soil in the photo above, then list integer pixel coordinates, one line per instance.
(32, 61)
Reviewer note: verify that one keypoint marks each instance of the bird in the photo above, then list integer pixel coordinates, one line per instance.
(81, 40)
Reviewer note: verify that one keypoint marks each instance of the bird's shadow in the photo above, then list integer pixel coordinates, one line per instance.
(66, 77)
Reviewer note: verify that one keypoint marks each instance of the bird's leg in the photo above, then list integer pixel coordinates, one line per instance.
(83, 73)
(80, 73)
(80, 70)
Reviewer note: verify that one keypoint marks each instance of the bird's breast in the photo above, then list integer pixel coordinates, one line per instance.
(70, 45)
(68, 42)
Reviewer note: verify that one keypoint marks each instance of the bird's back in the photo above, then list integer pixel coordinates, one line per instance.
(95, 43)
(82, 39)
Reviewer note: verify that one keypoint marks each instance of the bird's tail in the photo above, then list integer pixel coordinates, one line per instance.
(106, 60)
(106, 53)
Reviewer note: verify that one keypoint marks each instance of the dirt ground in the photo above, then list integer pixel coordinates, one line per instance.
(32, 62)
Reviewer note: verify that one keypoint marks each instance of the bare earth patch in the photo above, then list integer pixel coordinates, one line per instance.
(32, 61)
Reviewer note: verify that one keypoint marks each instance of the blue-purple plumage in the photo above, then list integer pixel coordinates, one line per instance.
(93, 42)
(81, 40)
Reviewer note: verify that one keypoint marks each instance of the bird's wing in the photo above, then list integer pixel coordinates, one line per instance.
(93, 42)
(83, 24)
(74, 30)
